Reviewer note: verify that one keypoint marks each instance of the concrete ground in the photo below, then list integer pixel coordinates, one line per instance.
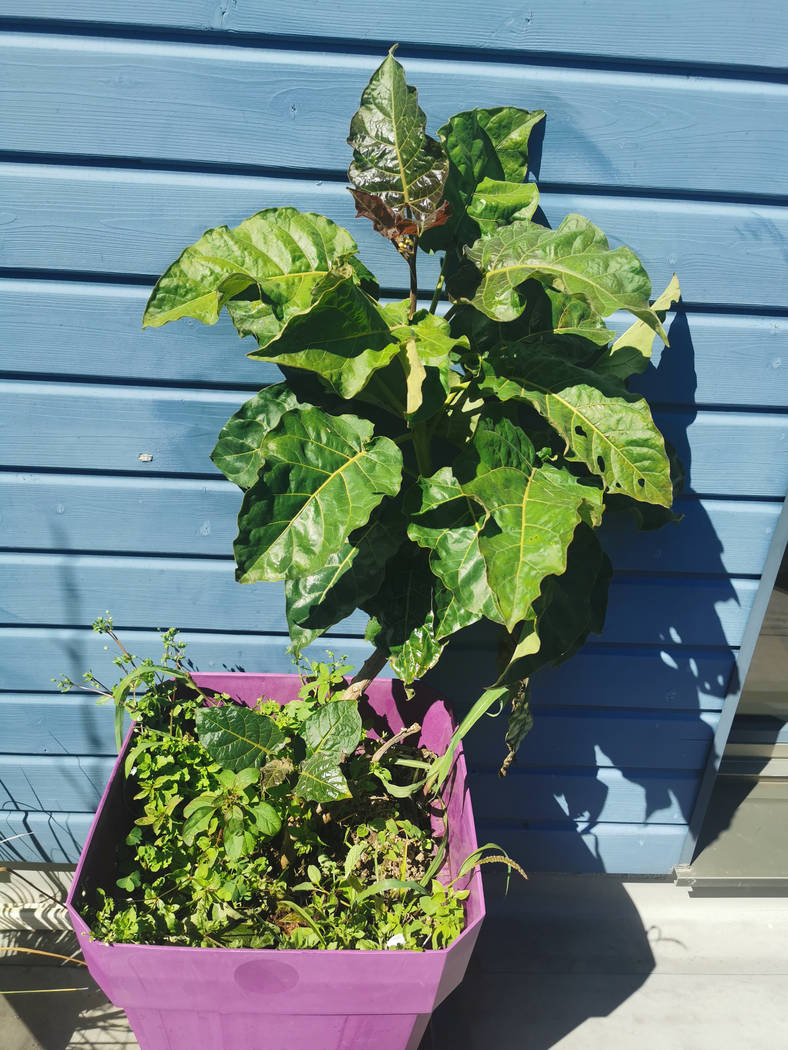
(564, 962)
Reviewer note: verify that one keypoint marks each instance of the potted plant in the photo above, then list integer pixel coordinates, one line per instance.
(433, 471)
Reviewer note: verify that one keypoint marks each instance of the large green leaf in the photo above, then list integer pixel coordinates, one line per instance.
(509, 130)
(238, 450)
(448, 523)
(481, 144)
(575, 259)
(573, 605)
(237, 737)
(603, 425)
(283, 252)
(348, 577)
(565, 323)
(322, 478)
(392, 156)
(631, 352)
(415, 384)
(450, 615)
(344, 338)
(403, 621)
(334, 729)
(496, 203)
(321, 780)
(535, 508)
(647, 516)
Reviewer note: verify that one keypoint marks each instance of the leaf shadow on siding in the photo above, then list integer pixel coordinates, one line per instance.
(677, 668)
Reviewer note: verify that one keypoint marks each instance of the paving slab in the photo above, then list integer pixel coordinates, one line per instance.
(563, 963)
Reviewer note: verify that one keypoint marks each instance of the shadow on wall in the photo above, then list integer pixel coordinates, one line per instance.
(622, 732)
(552, 954)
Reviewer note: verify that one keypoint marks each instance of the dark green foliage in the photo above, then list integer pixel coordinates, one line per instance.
(435, 471)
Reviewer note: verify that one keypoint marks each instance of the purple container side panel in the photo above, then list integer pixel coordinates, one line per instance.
(178, 998)
(244, 1031)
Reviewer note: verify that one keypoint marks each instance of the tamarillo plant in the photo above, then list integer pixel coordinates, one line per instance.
(432, 470)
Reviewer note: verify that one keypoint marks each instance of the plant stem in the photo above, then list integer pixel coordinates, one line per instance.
(371, 668)
(421, 446)
(436, 294)
(395, 740)
(51, 955)
(413, 282)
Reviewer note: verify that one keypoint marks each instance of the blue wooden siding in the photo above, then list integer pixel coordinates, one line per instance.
(126, 129)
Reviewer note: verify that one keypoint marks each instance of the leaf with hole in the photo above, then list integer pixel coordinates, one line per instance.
(604, 426)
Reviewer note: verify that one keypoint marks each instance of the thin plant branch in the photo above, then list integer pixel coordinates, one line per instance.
(38, 951)
(401, 735)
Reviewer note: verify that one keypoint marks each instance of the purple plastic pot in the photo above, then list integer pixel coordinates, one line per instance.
(180, 998)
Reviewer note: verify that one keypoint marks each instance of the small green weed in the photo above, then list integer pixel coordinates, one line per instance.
(267, 827)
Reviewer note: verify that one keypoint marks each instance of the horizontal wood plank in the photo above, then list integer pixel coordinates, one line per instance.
(107, 428)
(291, 109)
(630, 849)
(109, 220)
(42, 783)
(629, 741)
(69, 512)
(563, 796)
(76, 783)
(87, 330)
(195, 594)
(662, 679)
(50, 838)
(73, 725)
(708, 34)
(615, 848)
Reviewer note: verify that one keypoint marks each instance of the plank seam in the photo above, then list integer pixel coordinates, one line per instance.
(121, 381)
(136, 387)
(599, 648)
(339, 176)
(219, 484)
(374, 48)
(98, 277)
(629, 575)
